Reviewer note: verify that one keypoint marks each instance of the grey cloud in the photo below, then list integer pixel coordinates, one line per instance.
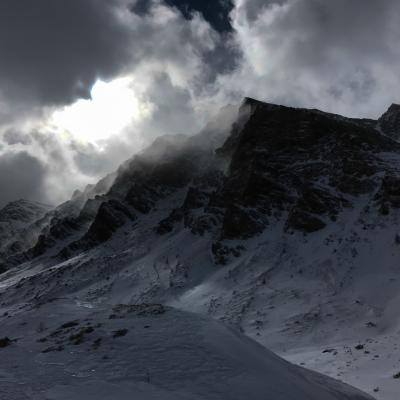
(13, 137)
(357, 28)
(174, 111)
(181, 43)
(141, 7)
(338, 55)
(21, 176)
(53, 51)
(94, 163)
(38, 165)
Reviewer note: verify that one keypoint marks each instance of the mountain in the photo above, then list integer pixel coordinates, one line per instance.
(15, 217)
(18, 214)
(305, 163)
(281, 222)
(30, 228)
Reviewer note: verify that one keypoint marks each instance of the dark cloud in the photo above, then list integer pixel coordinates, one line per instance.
(12, 137)
(215, 12)
(53, 51)
(141, 7)
(21, 176)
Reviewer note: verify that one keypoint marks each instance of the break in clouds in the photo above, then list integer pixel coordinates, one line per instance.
(181, 61)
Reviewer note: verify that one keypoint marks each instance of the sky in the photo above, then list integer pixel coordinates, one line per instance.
(85, 84)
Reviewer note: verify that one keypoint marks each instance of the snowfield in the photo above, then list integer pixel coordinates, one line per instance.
(64, 351)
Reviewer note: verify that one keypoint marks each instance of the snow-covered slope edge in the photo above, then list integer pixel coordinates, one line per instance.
(63, 351)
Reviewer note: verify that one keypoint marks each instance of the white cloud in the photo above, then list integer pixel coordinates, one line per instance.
(113, 107)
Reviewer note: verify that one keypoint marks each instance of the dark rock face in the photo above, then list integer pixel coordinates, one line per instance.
(312, 206)
(389, 194)
(222, 253)
(389, 122)
(300, 166)
(296, 162)
(142, 197)
(110, 216)
(5, 342)
(62, 227)
(304, 221)
(241, 223)
(167, 225)
(196, 212)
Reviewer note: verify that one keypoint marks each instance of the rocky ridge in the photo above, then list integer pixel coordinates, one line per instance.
(276, 163)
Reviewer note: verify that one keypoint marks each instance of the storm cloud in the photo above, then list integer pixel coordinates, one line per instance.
(53, 51)
(186, 60)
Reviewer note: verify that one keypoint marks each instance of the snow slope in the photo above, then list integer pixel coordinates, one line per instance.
(63, 350)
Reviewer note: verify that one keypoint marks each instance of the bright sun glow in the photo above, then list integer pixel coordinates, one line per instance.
(112, 107)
